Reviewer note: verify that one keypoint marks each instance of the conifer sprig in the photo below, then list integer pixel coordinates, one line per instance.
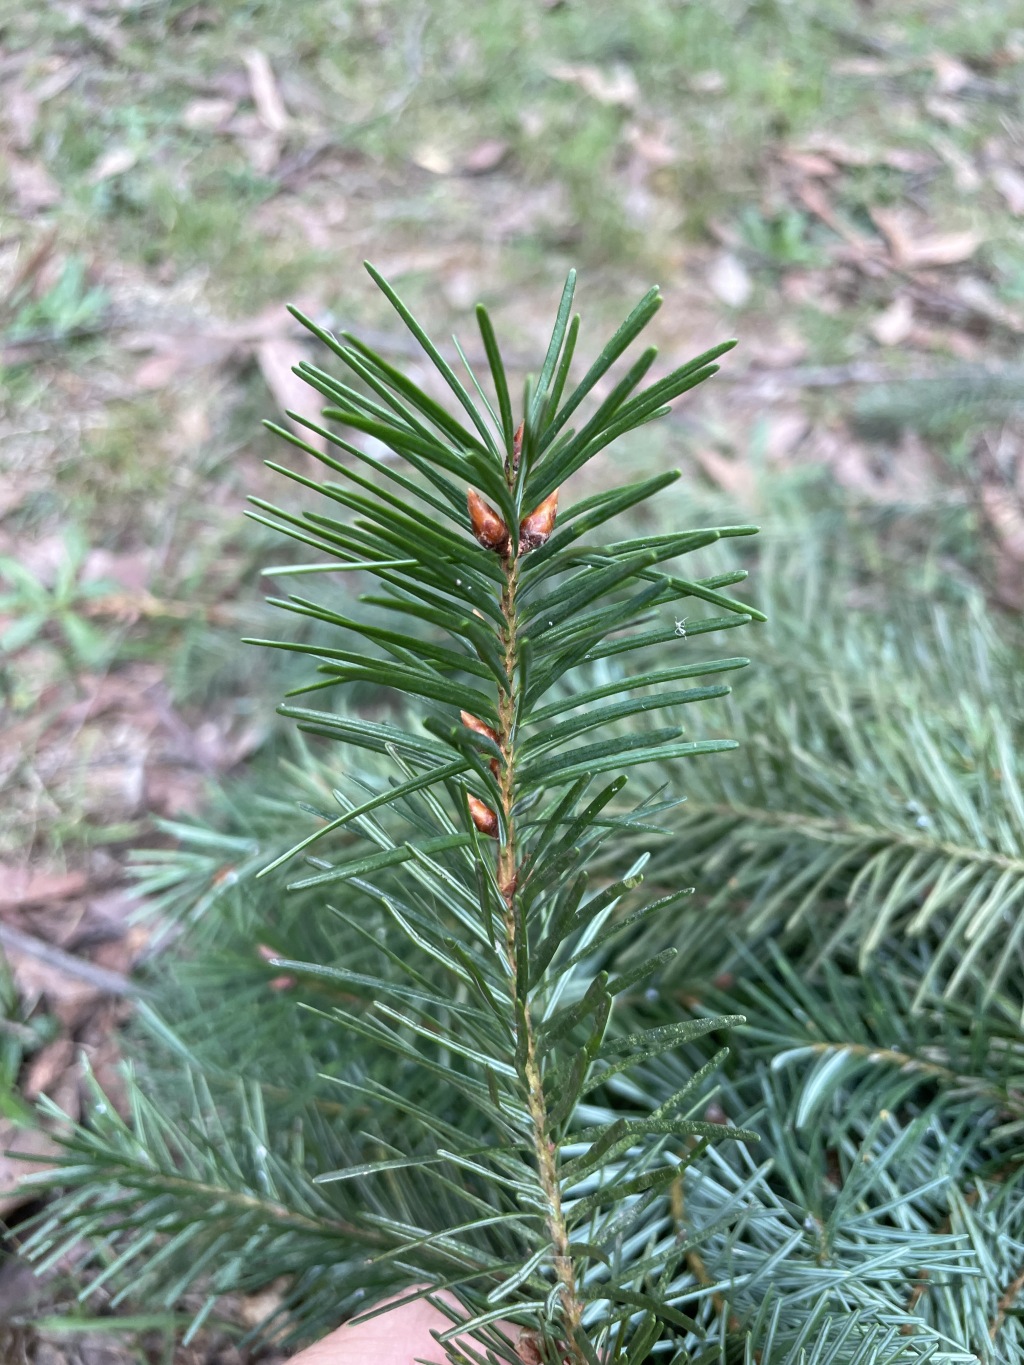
(500, 597)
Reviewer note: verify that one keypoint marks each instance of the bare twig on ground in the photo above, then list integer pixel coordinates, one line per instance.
(111, 983)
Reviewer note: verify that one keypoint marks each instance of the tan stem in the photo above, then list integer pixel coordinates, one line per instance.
(508, 876)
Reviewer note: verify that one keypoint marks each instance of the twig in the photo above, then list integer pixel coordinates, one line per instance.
(111, 983)
(694, 1260)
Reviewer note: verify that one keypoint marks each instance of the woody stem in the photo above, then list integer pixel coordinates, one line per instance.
(545, 1151)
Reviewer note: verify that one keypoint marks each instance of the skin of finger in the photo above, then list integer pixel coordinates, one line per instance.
(399, 1337)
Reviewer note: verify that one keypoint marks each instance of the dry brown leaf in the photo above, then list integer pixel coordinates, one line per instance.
(894, 325)
(32, 186)
(1010, 184)
(785, 431)
(63, 74)
(838, 150)
(1006, 517)
(951, 75)
(731, 475)
(201, 115)
(949, 341)
(252, 1309)
(966, 176)
(616, 86)
(114, 161)
(814, 198)
(48, 1067)
(263, 152)
(652, 146)
(910, 250)
(275, 357)
(130, 569)
(485, 156)
(13, 492)
(979, 295)
(21, 114)
(36, 261)
(245, 125)
(947, 111)
(780, 349)
(158, 370)
(40, 1150)
(70, 998)
(429, 157)
(181, 354)
(909, 160)
(906, 159)
(266, 95)
(810, 163)
(175, 354)
(943, 248)
(22, 888)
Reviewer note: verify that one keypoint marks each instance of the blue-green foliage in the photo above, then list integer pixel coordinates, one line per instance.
(834, 1181)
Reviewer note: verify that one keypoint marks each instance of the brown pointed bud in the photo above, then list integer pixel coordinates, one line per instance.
(535, 529)
(517, 445)
(480, 728)
(471, 723)
(483, 817)
(488, 527)
(277, 983)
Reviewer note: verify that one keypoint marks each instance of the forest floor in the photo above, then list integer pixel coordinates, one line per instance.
(841, 187)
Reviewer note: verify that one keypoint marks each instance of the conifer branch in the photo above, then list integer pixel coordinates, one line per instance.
(482, 1169)
(508, 883)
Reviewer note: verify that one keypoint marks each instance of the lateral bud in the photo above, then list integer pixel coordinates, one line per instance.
(488, 527)
(277, 983)
(483, 817)
(478, 727)
(471, 723)
(535, 529)
(517, 445)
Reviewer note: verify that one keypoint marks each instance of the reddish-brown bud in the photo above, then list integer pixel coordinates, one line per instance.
(535, 529)
(471, 723)
(277, 983)
(488, 527)
(483, 817)
(480, 728)
(517, 446)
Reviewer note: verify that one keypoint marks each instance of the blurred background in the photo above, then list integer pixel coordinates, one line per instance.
(840, 185)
